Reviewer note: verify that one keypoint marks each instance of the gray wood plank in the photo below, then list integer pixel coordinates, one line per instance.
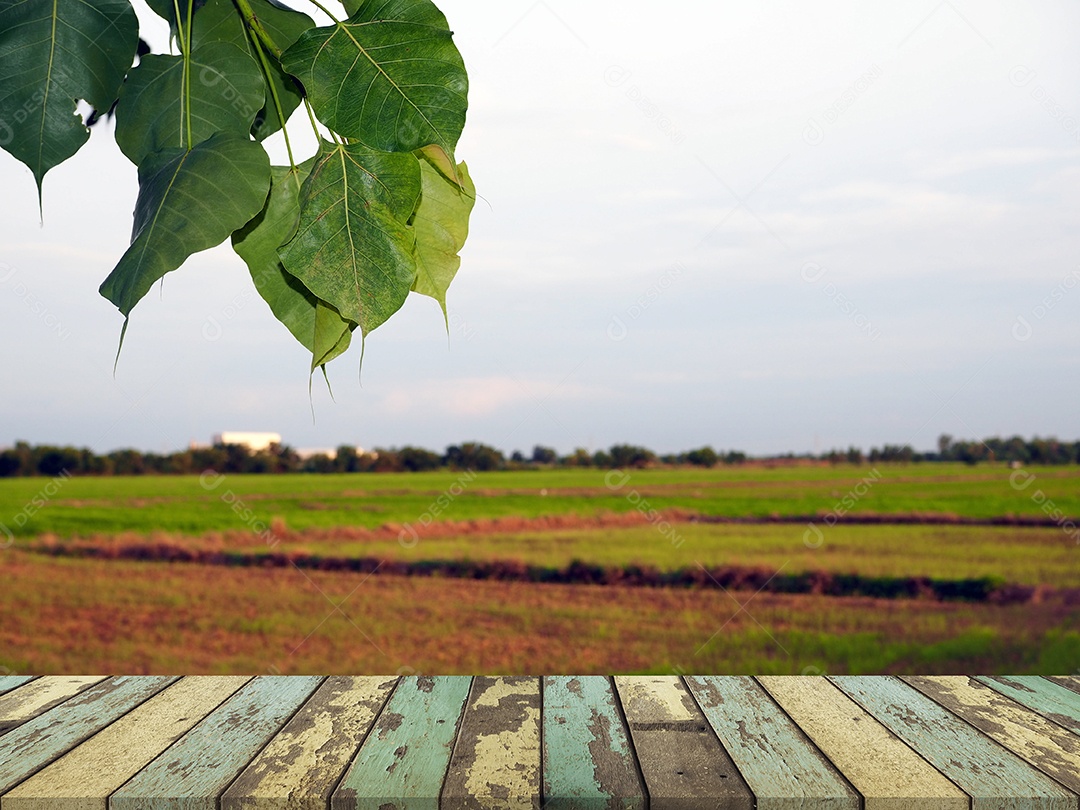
(302, 765)
(196, 770)
(403, 761)
(33, 745)
(1052, 749)
(780, 764)
(994, 777)
(496, 759)
(589, 762)
(1068, 681)
(1042, 695)
(683, 762)
(40, 695)
(9, 682)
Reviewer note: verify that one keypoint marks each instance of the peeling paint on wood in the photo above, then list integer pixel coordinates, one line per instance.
(36, 743)
(9, 682)
(683, 763)
(888, 774)
(1046, 745)
(195, 771)
(779, 763)
(404, 759)
(1068, 681)
(1049, 699)
(496, 760)
(300, 767)
(995, 778)
(588, 760)
(83, 778)
(37, 697)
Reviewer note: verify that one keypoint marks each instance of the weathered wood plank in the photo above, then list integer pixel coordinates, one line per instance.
(83, 778)
(1046, 745)
(888, 774)
(29, 747)
(38, 696)
(403, 761)
(301, 766)
(779, 763)
(198, 768)
(682, 761)
(1047, 698)
(1068, 681)
(588, 760)
(995, 778)
(9, 682)
(496, 759)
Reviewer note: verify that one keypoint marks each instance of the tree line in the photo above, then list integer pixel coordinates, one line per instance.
(50, 460)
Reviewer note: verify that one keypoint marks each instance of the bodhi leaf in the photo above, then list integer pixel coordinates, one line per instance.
(227, 90)
(218, 21)
(353, 247)
(390, 77)
(441, 224)
(52, 54)
(318, 327)
(188, 201)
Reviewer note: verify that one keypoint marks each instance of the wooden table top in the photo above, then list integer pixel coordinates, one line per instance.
(858, 742)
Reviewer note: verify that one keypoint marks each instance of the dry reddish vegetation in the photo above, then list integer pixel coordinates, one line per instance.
(119, 616)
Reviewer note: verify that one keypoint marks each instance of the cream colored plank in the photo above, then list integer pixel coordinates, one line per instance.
(888, 774)
(84, 778)
(304, 762)
(40, 695)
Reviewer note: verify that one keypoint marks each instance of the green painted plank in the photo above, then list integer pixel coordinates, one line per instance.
(33, 745)
(403, 761)
(780, 764)
(196, 770)
(1047, 698)
(301, 766)
(1052, 749)
(683, 763)
(9, 682)
(588, 760)
(496, 760)
(995, 778)
(1068, 681)
(39, 696)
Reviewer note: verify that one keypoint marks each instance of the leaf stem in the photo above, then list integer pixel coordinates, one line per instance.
(311, 118)
(325, 11)
(273, 93)
(183, 34)
(253, 24)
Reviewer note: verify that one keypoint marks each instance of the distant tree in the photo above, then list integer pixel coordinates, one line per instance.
(474, 456)
(854, 455)
(628, 455)
(544, 455)
(579, 458)
(53, 461)
(703, 457)
(416, 459)
(735, 457)
(602, 458)
(346, 459)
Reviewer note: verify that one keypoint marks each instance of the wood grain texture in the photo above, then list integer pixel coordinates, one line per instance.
(780, 764)
(403, 761)
(1044, 696)
(38, 696)
(1068, 681)
(496, 760)
(995, 778)
(9, 682)
(300, 767)
(195, 771)
(1046, 745)
(84, 777)
(588, 760)
(36, 743)
(683, 763)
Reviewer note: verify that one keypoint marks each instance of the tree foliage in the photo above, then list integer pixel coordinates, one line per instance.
(335, 242)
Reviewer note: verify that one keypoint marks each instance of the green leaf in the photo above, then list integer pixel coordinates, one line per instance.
(318, 327)
(353, 247)
(219, 21)
(188, 201)
(390, 77)
(227, 90)
(442, 225)
(52, 54)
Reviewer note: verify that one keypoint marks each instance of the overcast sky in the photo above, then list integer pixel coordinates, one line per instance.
(771, 226)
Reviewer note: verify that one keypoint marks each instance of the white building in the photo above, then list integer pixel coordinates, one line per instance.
(252, 441)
